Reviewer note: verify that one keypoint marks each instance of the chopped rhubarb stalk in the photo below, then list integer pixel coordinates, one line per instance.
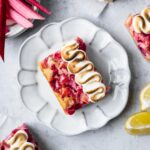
(20, 19)
(10, 22)
(24, 10)
(2, 27)
(37, 4)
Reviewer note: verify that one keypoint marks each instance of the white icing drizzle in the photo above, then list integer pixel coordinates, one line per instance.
(19, 142)
(84, 71)
(141, 23)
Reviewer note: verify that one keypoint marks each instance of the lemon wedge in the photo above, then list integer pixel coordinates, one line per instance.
(145, 99)
(138, 123)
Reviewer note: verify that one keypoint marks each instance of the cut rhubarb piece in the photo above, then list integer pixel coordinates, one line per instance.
(2, 27)
(38, 5)
(19, 19)
(24, 10)
(72, 77)
(139, 27)
(10, 22)
(19, 139)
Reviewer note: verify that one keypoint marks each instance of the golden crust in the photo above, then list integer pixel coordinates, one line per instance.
(64, 102)
(47, 72)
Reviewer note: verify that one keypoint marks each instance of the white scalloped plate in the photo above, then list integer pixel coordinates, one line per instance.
(109, 57)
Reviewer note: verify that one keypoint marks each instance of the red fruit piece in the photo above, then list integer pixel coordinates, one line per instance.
(82, 45)
(10, 22)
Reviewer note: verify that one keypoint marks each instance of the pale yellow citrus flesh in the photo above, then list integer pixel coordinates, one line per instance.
(138, 124)
(145, 99)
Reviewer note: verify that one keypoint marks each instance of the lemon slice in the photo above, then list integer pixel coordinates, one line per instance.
(138, 124)
(145, 99)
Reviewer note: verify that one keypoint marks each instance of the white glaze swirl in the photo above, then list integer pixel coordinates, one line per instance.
(83, 69)
(19, 142)
(141, 23)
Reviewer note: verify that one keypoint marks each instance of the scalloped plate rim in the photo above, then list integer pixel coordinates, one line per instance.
(128, 69)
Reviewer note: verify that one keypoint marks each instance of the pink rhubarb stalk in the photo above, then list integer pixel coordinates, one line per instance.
(2, 26)
(38, 5)
(24, 10)
(10, 22)
(19, 19)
